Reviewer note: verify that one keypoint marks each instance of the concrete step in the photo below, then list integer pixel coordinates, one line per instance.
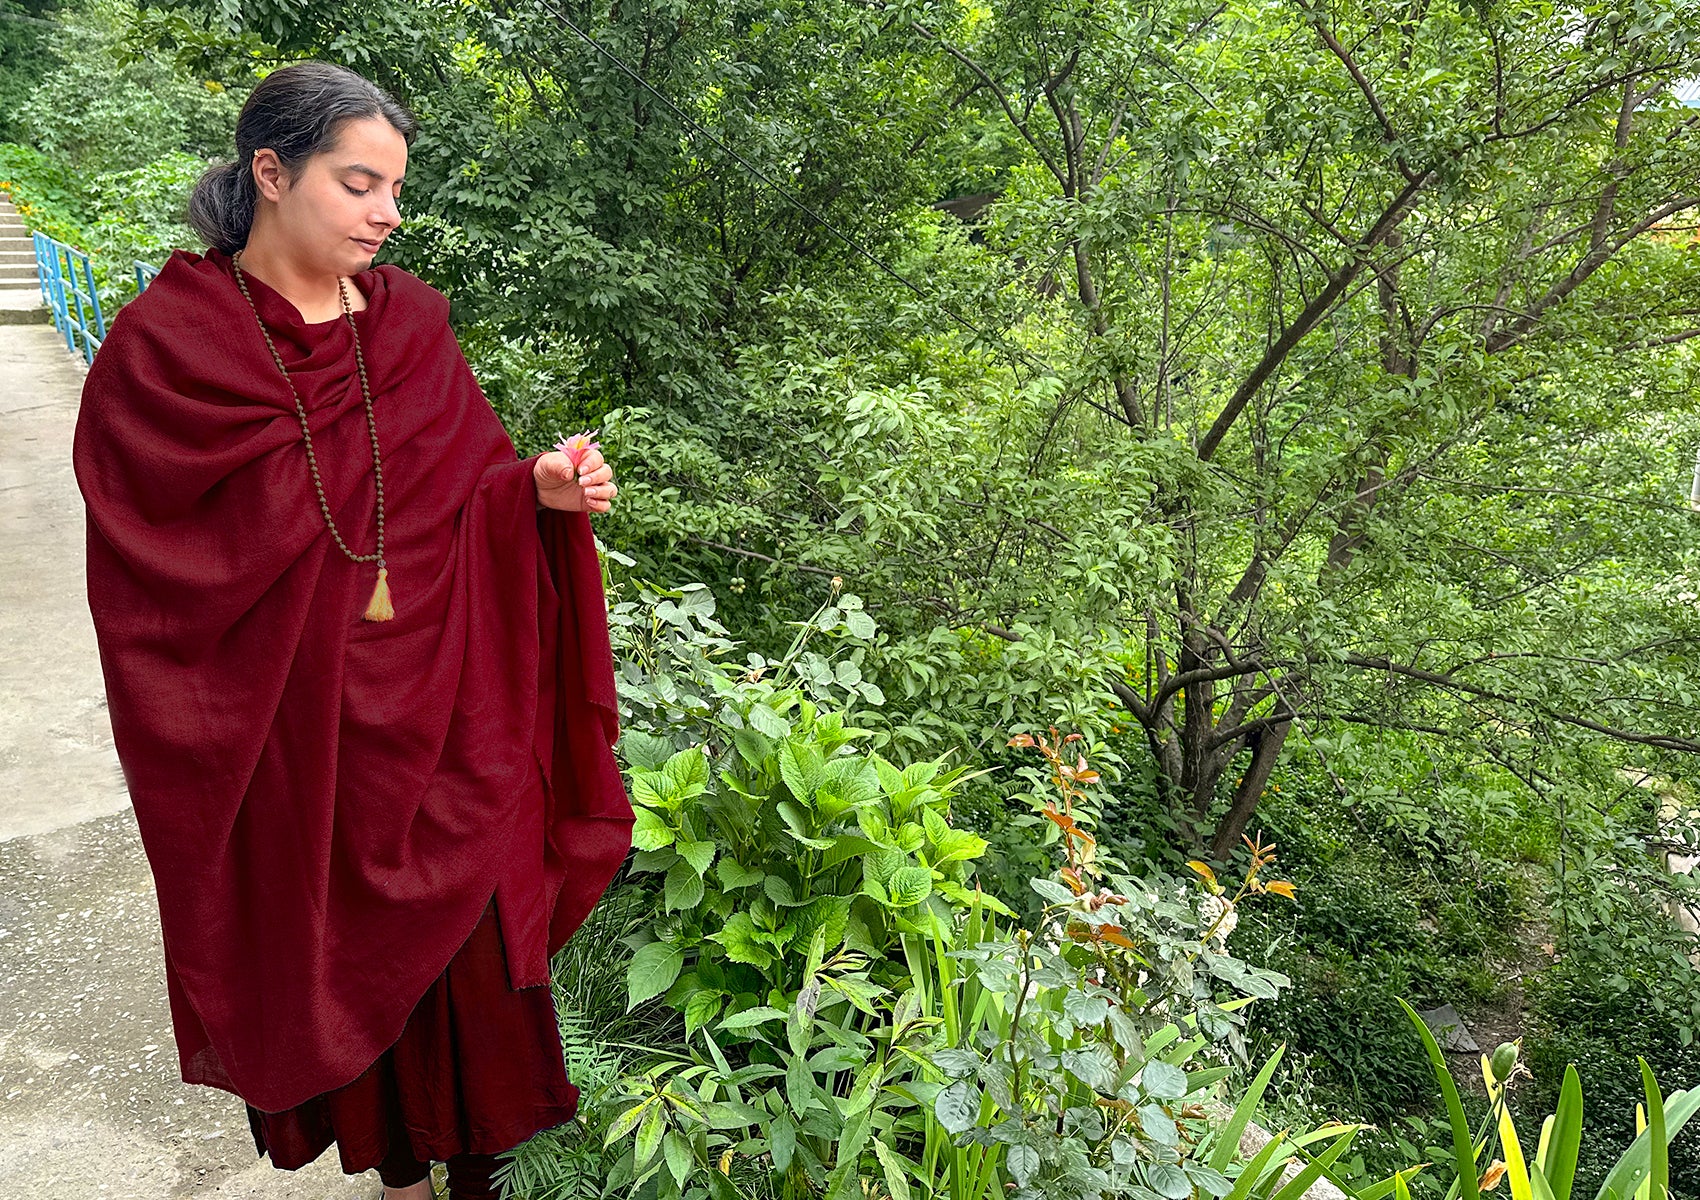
(16, 275)
(23, 306)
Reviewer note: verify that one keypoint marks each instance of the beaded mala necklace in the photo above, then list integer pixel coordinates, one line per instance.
(380, 608)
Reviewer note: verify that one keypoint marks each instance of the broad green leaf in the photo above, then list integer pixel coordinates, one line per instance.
(651, 971)
(957, 1107)
(683, 889)
(650, 832)
(678, 1154)
(699, 854)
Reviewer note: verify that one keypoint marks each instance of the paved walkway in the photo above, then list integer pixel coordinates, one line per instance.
(91, 1102)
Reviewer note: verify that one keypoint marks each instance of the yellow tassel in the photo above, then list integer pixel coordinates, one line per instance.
(380, 608)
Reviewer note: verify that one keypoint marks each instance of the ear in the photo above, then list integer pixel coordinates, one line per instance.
(269, 175)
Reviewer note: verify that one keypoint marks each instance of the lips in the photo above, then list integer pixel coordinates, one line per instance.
(372, 246)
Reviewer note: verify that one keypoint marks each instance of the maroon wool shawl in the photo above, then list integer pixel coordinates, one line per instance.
(328, 803)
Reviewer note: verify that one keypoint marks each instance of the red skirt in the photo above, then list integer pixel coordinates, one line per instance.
(478, 1069)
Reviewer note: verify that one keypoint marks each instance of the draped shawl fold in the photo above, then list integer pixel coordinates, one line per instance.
(328, 803)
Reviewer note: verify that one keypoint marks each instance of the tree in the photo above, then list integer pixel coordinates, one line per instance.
(1386, 274)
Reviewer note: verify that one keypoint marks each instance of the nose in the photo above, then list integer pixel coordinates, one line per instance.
(389, 214)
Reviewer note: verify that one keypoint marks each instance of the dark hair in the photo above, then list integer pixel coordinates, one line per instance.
(297, 111)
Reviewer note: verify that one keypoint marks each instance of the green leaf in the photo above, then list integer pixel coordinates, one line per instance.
(1227, 1146)
(860, 992)
(1659, 1145)
(957, 1107)
(1095, 1066)
(683, 889)
(910, 886)
(686, 774)
(828, 913)
(782, 1142)
(739, 937)
(778, 890)
(959, 845)
(734, 875)
(1163, 1081)
(1564, 1143)
(699, 854)
(800, 767)
(1168, 1181)
(1263, 1164)
(1299, 1184)
(650, 832)
(896, 1174)
(649, 1135)
(1463, 1145)
(799, 1086)
(1022, 1163)
(749, 1018)
(701, 1008)
(765, 721)
(678, 1153)
(798, 825)
(652, 971)
(644, 751)
(649, 790)
(628, 1120)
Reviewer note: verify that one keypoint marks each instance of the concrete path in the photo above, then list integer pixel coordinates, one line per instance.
(91, 1102)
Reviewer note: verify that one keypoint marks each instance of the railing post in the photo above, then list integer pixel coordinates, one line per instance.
(91, 348)
(61, 310)
(40, 240)
(82, 321)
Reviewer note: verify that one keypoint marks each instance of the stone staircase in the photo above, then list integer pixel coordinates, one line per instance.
(20, 292)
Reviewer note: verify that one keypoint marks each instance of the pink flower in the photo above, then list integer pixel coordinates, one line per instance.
(575, 447)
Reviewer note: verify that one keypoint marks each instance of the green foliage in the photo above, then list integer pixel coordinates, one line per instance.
(1587, 1022)
(1396, 900)
(841, 984)
(1494, 1152)
(95, 113)
(780, 837)
(44, 190)
(26, 36)
(1331, 393)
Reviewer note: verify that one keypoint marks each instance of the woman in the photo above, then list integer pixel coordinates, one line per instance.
(376, 787)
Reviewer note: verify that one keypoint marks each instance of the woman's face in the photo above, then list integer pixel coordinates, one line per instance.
(340, 208)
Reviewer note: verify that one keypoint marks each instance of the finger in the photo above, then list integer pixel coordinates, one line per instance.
(559, 466)
(601, 475)
(590, 461)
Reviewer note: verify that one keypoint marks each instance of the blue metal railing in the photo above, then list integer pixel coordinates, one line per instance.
(56, 267)
(144, 274)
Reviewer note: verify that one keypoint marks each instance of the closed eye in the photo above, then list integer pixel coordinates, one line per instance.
(357, 191)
